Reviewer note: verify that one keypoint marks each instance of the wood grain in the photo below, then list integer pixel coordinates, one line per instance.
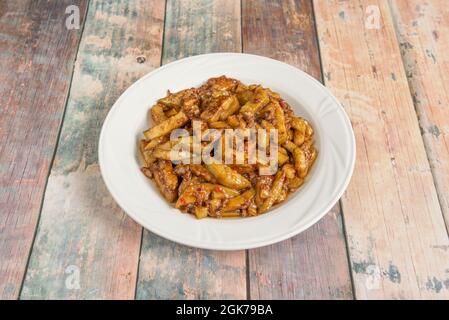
(83, 234)
(169, 270)
(36, 60)
(201, 26)
(423, 33)
(396, 232)
(314, 264)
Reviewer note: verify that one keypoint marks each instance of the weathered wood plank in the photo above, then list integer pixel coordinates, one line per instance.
(314, 264)
(201, 26)
(36, 60)
(423, 33)
(169, 270)
(82, 232)
(396, 232)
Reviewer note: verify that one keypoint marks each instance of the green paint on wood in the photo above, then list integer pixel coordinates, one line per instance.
(168, 270)
(201, 26)
(36, 60)
(172, 271)
(86, 247)
(314, 264)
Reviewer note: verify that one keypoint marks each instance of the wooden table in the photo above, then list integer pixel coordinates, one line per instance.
(63, 236)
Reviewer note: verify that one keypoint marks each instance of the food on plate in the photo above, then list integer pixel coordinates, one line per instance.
(238, 188)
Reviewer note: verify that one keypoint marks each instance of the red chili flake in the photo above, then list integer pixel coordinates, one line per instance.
(283, 104)
(218, 189)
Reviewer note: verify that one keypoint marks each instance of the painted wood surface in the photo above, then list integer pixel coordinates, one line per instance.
(169, 270)
(423, 34)
(395, 228)
(314, 264)
(86, 246)
(36, 68)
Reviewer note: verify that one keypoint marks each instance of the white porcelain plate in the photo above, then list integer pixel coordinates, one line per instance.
(120, 162)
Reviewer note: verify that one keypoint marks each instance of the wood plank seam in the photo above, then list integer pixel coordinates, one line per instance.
(84, 14)
(79, 217)
(168, 269)
(426, 143)
(241, 26)
(247, 264)
(138, 263)
(33, 100)
(248, 275)
(136, 286)
(286, 35)
(340, 205)
(402, 226)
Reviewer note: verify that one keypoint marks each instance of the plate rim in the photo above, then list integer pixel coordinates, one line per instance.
(225, 247)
